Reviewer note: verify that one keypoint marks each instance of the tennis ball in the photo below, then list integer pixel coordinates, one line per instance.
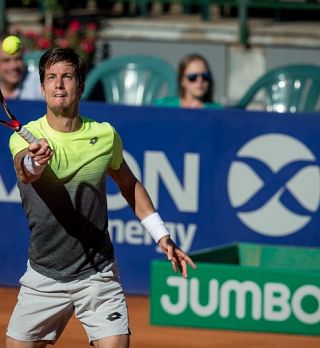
(11, 44)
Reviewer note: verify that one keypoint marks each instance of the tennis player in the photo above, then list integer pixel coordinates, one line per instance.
(62, 180)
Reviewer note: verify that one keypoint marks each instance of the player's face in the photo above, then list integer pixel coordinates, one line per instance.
(61, 88)
(194, 83)
(11, 68)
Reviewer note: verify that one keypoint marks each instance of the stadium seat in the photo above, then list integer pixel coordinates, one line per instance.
(292, 88)
(31, 59)
(131, 80)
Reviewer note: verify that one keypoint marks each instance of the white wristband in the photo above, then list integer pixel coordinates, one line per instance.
(32, 166)
(155, 226)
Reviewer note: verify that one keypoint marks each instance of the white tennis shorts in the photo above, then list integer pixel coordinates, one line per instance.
(45, 306)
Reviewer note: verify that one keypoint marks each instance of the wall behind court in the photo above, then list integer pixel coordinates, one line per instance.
(216, 176)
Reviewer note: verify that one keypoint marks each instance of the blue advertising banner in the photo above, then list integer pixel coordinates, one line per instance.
(215, 176)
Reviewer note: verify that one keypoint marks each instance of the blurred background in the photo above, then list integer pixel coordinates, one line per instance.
(242, 40)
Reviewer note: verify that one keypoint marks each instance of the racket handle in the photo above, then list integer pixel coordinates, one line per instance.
(27, 136)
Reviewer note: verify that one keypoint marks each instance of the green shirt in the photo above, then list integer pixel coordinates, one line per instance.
(175, 102)
(67, 206)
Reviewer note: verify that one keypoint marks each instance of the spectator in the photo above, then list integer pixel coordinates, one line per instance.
(16, 82)
(195, 83)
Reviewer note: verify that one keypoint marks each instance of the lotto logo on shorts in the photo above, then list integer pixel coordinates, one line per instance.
(274, 185)
(114, 316)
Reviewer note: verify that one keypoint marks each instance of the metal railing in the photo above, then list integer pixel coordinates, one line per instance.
(242, 7)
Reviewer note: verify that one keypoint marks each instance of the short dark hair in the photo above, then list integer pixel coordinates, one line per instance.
(69, 55)
(208, 97)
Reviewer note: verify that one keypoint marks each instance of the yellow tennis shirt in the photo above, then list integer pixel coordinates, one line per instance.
(67, 206)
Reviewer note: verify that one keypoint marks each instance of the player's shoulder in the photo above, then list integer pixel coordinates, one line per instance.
(98, 128)
(92, 123)
(36, 122)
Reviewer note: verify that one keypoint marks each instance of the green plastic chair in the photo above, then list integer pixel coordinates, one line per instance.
(31, 59)
(292, 88)
(131, 80)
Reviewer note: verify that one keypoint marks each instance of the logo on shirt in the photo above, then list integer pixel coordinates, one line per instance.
(114, 316)
(93, 141)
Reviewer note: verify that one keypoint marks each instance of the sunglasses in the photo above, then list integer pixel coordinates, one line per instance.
(206, 76)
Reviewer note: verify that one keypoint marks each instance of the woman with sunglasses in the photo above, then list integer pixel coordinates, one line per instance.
(195, 83)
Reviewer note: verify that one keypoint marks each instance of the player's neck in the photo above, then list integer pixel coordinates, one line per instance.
(64, 124)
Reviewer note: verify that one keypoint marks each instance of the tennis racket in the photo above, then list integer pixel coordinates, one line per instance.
(14, 124)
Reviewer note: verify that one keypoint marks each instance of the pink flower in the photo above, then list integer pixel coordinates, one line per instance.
(91, 26)
(74, 26)
(58, 32)
(63, 43)
(87, 46)
(80, 37)
(44, 43)
(31, 35)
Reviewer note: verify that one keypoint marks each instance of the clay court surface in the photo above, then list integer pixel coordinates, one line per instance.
(146, 336)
